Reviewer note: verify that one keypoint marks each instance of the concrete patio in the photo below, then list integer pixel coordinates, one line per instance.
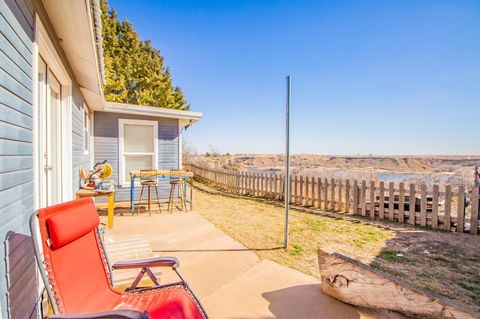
(230, 279)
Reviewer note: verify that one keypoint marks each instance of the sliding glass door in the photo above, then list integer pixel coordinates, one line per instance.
(50, 113)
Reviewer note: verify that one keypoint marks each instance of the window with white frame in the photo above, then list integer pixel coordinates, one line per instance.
(137, 146)
(86, 130)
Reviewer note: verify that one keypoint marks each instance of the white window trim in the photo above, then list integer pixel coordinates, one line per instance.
(43, 46)
(121, 159)
(92, 139)
(86, 118)
(180, 146)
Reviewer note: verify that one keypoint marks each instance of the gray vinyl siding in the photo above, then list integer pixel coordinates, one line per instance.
(16, 135)
(106, 147)
(78, 156)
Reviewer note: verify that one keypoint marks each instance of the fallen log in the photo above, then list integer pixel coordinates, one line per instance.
(358, 284)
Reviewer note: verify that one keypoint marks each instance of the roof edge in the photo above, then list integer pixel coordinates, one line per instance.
(186, 117)
(97, 25)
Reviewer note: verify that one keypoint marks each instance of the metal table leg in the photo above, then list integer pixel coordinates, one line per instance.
(132, 195)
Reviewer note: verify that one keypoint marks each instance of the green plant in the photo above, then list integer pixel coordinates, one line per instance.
(393, 256)
(134, 69)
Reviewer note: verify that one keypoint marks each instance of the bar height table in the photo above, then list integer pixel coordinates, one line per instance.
(162, 175)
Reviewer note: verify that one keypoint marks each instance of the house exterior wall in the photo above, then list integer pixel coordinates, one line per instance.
(16, 131)
(79, 158)
(17, 202)
(106, 147)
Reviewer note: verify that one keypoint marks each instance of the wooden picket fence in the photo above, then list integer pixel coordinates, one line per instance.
(435, 208)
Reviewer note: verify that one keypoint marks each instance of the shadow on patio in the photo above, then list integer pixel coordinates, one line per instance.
(229, 278)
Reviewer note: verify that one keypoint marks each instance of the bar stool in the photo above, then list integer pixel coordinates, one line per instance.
(176, 184)
(148, 178)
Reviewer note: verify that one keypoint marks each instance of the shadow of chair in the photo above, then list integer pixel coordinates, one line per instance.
(22, 278)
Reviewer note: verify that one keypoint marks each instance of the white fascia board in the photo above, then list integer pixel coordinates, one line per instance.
(185, 118)
(73, 23)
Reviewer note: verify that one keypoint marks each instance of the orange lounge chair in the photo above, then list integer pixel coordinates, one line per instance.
(78, 276)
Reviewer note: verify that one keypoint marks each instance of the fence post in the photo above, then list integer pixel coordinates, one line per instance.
(435, 206)
(257, 186)
(313, 186)
(355, 197)
(340, 199)
(401, 203)
(423, 205)
(319, 192)
(301, 191)
(372, 200)
(275, 180)
(241, 182)
(325, 194)
(447, 220)
(307, 191)
(260, 185)
(474, 212)
(347, 196)
(295, 188)
(238, 177)
(412, 203)
(381, 201)
(391, 207)
(270, 190)
(225, 179)
(244, 183)
(461, 209)
(278, 188)
(363, 198)
(332, 203)
(252, 184)
(267, 185)
(290, 200)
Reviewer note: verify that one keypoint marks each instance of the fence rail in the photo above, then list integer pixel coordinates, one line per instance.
(403, 203)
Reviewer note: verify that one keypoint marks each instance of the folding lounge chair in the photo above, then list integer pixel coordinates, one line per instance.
(78, 276)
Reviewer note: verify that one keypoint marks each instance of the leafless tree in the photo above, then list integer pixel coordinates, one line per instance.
(188, 152)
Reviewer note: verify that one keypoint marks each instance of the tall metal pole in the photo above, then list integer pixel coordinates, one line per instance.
(287, 160)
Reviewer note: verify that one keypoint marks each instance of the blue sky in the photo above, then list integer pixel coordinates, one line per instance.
(369, 77)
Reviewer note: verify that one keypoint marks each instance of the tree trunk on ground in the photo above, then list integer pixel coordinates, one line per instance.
(355, 283)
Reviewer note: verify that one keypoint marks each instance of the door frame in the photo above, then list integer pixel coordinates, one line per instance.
(43, 46)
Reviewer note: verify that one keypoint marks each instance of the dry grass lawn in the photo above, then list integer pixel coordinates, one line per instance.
(445, 263)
